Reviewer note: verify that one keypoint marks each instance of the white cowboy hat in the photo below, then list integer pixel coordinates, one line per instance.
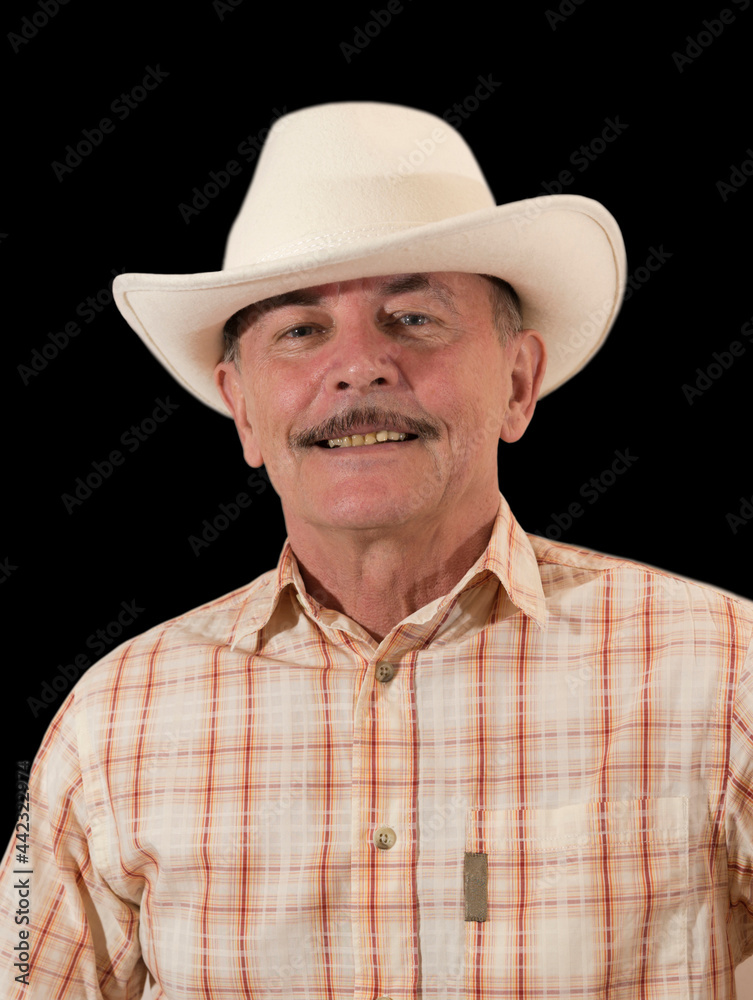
(357, 190)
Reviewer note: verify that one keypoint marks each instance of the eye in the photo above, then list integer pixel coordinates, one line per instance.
(412, 319)
(297, 332)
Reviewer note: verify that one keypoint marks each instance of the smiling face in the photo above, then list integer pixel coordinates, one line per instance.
(412, 355)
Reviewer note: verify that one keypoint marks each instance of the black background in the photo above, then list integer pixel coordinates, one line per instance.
(230, 72)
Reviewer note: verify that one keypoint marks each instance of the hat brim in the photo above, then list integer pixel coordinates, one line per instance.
(563, 254)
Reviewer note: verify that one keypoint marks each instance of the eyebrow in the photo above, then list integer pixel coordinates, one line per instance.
(241, 320)
(399, 284)
(435, 288)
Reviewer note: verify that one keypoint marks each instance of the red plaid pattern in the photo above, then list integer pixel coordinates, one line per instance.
(205, 803)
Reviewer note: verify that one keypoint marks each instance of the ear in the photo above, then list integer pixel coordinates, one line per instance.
(527, 362)
(230, 385)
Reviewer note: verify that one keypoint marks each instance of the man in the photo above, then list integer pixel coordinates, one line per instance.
(427, 756)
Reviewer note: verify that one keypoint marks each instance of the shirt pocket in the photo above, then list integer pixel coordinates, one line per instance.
(586, 900)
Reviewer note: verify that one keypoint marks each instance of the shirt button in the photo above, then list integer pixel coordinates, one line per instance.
(384, 838)
(384, 672)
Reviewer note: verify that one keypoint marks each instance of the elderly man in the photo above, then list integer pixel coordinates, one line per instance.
(428, 756)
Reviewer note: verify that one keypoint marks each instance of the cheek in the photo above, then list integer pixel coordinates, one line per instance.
(467, 392)
(283, 391)
(276, 410)
(476, 413)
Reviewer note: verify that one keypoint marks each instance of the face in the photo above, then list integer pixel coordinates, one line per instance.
(415, 355)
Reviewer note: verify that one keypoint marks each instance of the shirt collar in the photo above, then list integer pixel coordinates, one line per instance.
(509, 557)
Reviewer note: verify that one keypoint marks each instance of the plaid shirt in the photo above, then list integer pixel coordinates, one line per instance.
(257, 800)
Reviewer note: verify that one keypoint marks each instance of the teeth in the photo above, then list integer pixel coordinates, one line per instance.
(372, 438)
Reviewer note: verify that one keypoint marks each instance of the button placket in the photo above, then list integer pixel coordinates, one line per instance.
(381, 852)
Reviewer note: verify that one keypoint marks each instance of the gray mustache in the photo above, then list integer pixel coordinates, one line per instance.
(341, 424)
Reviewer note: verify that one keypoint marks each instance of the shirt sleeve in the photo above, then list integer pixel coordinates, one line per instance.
(739, 816)
(82, 938)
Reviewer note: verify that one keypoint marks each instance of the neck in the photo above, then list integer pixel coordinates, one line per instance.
(378, 579)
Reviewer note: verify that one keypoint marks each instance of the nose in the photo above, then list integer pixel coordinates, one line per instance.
(363, 357)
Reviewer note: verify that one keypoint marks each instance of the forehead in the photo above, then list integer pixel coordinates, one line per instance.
(434, 283)
(447, 288)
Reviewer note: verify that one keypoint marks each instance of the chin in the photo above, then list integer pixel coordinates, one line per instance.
(365, 508)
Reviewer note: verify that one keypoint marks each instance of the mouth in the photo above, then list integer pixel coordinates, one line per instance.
(367, 426)
(367, 438)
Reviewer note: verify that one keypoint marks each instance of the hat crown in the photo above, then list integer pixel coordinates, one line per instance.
(354, 190)
(335, 174)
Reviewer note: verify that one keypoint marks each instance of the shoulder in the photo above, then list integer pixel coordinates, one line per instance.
(629, 584)
(174, 676)
(186, 645)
